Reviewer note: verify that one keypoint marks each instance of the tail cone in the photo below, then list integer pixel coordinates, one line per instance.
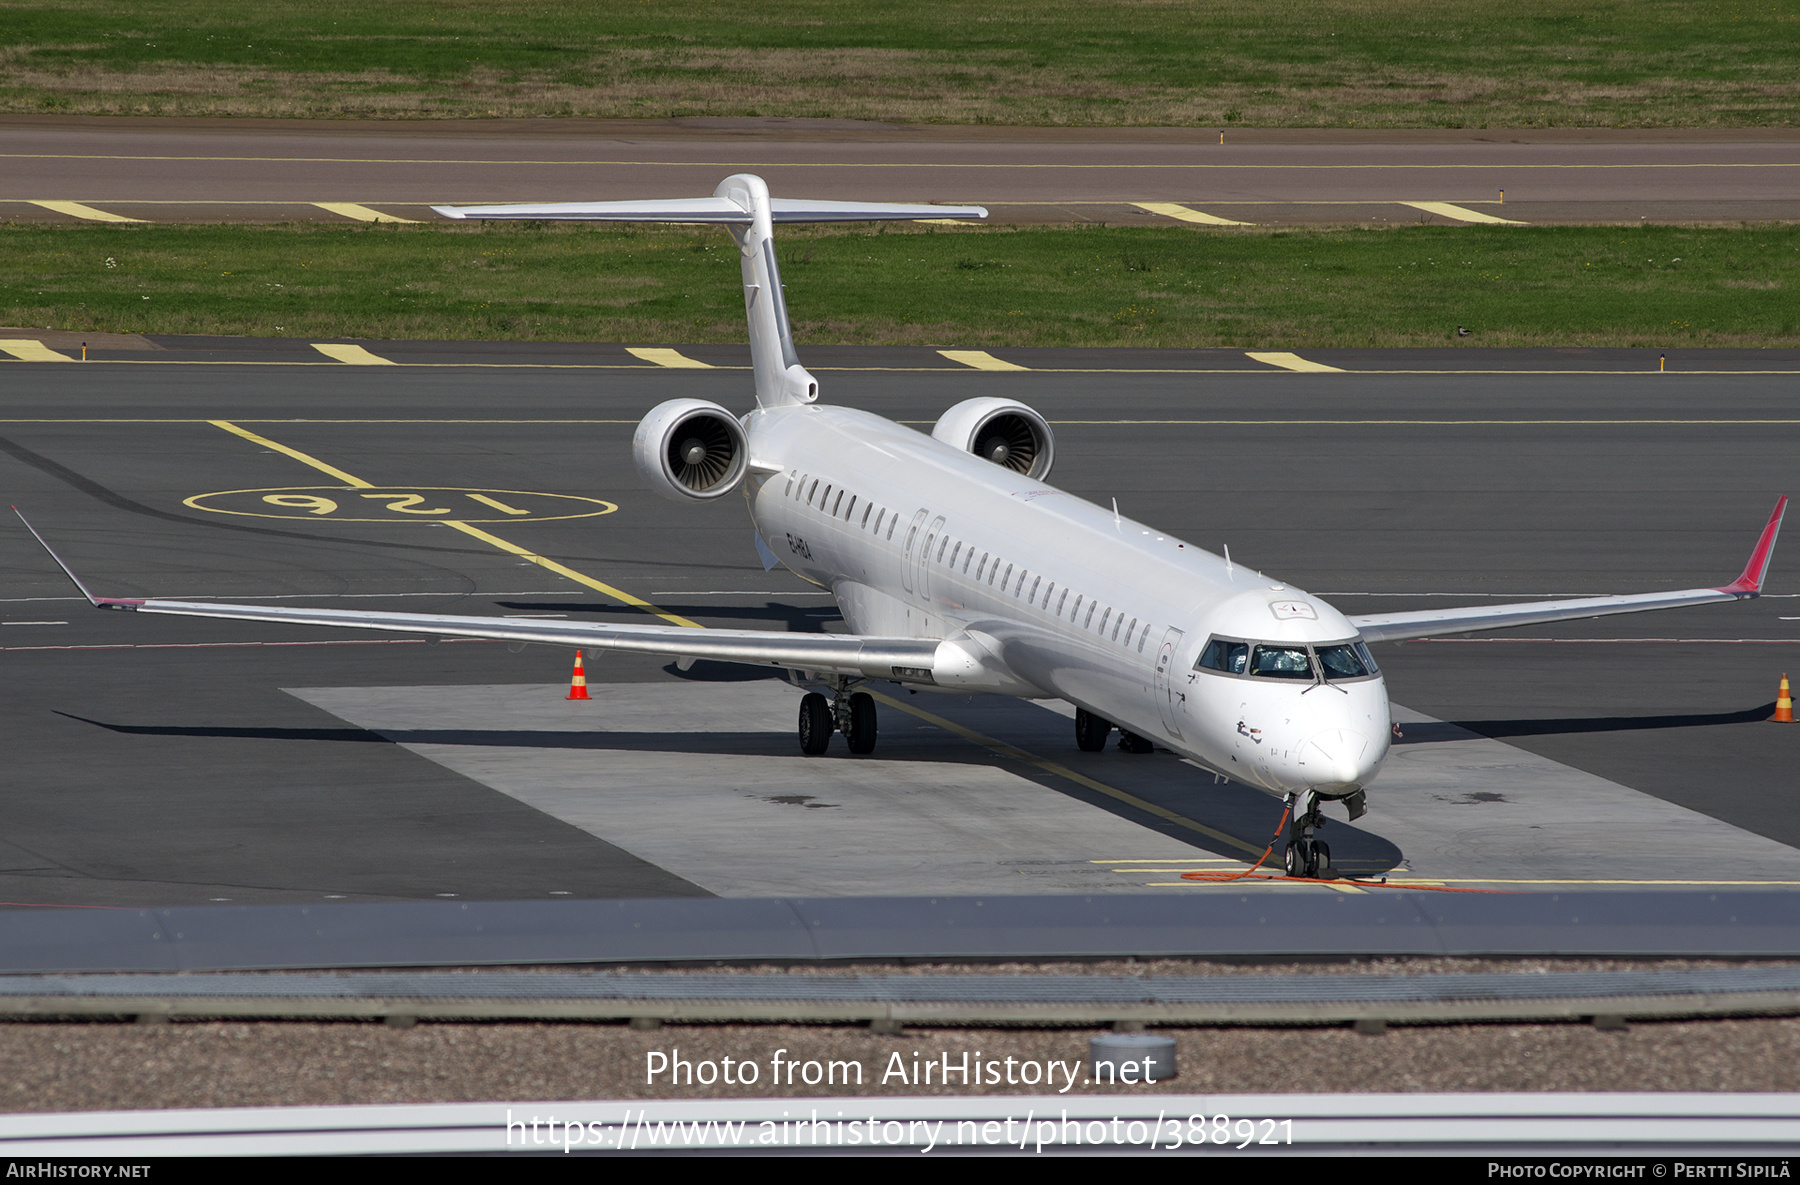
(578, 680)
(1784, 703)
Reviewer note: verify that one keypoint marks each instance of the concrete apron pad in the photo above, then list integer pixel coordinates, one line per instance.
(706, 781)
(1464, 807)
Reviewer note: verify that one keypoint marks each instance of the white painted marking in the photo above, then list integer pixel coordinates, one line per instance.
(359, 212)
(1289, 361)
(673, 359)
(980, 360)
(1460, 213)
(33, 623)
(84, 212)
(354, 355)
(27, 350)
(1172, 210)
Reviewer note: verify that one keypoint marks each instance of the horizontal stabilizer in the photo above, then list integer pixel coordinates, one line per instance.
(713, 210)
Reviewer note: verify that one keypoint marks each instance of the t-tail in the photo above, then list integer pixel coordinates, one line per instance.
(743, 205)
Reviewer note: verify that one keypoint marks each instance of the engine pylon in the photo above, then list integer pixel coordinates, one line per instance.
(578, 681)
(1784, 703)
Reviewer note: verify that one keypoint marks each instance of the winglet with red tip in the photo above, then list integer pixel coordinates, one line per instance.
(96, 602)
(1750, 583)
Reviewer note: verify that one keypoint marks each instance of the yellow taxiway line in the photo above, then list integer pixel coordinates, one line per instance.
(473, 532)
(1460, 213)
(27, 350)
(1289, 361)
(672, 359)
(359, 212)
(354, 355)
(1184, 214)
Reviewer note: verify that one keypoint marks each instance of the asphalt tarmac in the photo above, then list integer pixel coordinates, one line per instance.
(273, 170)
(164, 761)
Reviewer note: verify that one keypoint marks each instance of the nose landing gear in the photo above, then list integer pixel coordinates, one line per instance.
(1305, 856)
(848, 712)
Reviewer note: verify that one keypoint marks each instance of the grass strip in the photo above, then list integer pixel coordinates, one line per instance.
(1268, 63)
(989, 286)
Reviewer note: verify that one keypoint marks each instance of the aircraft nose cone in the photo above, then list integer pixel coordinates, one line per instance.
(1341, 756)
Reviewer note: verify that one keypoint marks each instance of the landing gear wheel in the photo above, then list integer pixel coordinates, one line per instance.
(1294, 858)
(861, 733)
(1131, 742)
(815, 724)
(1318, 863)
(1090, 731)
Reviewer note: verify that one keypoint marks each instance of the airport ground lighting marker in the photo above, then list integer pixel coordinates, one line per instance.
(1461, 214)
(473, 532)
(84, 212)
(360, 212)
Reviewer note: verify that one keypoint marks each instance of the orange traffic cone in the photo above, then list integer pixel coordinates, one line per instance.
(1784, 703)
(577, 681)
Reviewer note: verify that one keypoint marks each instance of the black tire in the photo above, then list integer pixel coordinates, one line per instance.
(862, 723)
(1294, 859)
(1320, 864)
(1131, 742)
(815, 724)
(1090, 731)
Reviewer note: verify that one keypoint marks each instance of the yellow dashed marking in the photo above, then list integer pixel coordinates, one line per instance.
(87, 213)
(354, 355)
(1289, 361)
(673, 359)
(31, 351)
(980, 360)
(1460, 213)
(1172, 210)
(359, 212)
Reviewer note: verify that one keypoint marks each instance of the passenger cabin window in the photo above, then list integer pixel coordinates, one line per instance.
(981, 567)
(1144, 638)
(1064, 601)
(891, 523)
(869, 508)
(813, 489)
(942, 548)
(852, 508)
(1220, 655)
(789, 492)
(1092, 605)
(838, 503)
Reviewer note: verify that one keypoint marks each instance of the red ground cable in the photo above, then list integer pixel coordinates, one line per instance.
(1250, 873)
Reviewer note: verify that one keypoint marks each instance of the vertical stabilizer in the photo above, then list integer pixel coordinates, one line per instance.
(780, 379)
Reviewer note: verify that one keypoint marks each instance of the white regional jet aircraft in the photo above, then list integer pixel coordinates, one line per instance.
(959, 569)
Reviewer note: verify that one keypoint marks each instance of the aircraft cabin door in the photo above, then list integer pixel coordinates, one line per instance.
(931, 538)
(1168, 691)
(909, 557)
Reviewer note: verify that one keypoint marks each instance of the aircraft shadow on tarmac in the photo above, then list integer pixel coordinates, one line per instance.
(1452, 730)
(1160, 779)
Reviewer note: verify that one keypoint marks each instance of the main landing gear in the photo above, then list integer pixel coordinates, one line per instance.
(1091, 733)
(1305, 856)
(848, 712)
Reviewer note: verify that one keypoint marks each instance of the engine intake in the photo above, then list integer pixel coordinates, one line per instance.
(689, 450)
(1003, 431)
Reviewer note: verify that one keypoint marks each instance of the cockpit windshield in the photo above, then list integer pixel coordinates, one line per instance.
(1280, 662)
(1269, 660)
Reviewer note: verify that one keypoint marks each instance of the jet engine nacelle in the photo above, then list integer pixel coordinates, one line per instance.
(689, 450)
(1003, 431)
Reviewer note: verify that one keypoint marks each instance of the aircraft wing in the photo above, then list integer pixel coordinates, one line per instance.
(1429, 623)
(838, 654)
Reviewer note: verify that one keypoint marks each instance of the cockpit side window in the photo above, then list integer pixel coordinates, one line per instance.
(1341, 662)
(1226, 656)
